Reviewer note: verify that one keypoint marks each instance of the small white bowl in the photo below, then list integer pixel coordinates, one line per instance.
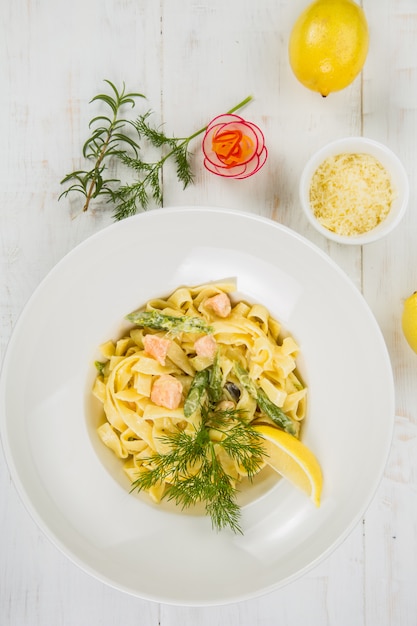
(358, 145)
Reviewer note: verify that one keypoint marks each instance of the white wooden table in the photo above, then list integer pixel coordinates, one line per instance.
(194, 60)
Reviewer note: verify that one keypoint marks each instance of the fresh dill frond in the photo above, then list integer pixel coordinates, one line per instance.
(245, 446)
(182, 159)
(193, 471)
(155, 136)
(222, 506)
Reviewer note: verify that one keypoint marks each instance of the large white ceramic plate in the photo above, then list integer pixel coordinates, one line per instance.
(47, 418)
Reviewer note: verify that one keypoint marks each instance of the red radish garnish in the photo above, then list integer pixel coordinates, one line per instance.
(233, 147)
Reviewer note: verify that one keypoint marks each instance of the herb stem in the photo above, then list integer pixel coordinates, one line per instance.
(183, 143)
(229, 112)
(186, 140)
(93, 183)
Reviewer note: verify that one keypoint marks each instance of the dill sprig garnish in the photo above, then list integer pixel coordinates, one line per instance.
(116, 142)
(193, 470)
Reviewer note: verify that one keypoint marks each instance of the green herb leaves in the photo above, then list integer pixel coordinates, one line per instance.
(108, 139)
(118, 143)
(195, 472)
(193, 468)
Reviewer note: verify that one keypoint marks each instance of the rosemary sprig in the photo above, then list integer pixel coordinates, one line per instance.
(194, 471)
(106, 140)
(112, 144)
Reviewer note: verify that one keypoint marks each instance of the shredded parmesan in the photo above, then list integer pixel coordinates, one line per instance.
(351, 194)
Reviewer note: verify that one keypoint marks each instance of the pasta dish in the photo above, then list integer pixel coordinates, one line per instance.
(182, 391)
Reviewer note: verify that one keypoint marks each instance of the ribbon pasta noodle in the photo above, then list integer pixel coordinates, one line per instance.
(146, 376)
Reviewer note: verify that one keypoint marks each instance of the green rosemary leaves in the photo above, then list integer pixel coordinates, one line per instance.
(108, 139)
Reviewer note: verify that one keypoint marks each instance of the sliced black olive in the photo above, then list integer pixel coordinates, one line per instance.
(233, 391)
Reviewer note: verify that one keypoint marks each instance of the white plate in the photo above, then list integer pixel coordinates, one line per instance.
(47, 420)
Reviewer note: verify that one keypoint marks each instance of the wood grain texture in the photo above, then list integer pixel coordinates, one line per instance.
(389, 276)
(194, 59)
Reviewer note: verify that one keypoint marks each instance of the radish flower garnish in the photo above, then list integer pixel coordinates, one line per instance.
(233, 147)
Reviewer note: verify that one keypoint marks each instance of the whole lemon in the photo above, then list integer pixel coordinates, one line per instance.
(329, 44)
(409, 321)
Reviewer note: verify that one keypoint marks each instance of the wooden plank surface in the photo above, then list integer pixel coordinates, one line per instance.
(193, 60)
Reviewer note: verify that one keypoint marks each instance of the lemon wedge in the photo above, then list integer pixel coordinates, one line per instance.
(409, 321)
(329, 44)
(291, 458)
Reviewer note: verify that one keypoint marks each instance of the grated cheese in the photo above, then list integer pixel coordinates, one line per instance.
(351, 194)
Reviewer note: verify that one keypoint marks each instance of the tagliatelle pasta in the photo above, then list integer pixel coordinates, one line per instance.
(148, 379)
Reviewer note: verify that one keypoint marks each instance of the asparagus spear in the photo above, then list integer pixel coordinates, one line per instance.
(265, 404)
(161, 321)
(195, 394)
(215, 389)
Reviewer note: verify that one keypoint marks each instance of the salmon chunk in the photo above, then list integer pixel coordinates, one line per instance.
(167, 392)
(206, 346)
(220, 304)
(157, 347)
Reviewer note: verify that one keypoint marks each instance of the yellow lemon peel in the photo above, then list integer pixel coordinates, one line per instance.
(291, 458)
(328, 45)
(409, 321)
